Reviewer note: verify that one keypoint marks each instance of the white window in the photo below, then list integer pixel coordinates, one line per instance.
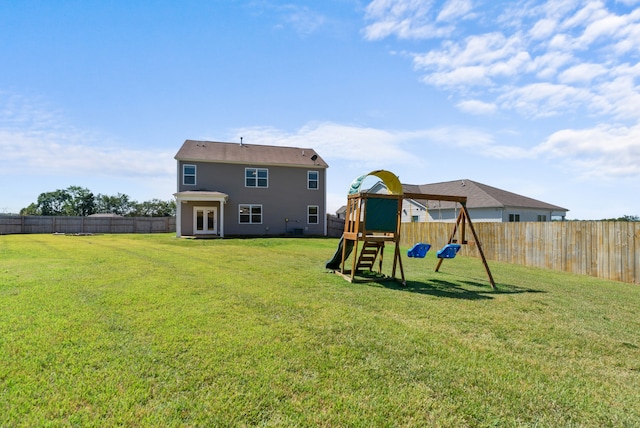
(256, 177)
(189, 175)
(312, 180)
(250, 214)
(542, 217)
(514, 217)
(313, 214)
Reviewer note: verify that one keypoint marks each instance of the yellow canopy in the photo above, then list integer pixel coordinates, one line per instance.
(394, 187)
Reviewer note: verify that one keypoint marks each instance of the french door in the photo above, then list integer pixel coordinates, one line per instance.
(205, 220)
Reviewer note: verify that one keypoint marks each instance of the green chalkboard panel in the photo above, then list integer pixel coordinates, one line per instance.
(382, 214)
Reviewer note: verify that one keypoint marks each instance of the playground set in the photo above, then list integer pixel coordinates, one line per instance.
(373, 220)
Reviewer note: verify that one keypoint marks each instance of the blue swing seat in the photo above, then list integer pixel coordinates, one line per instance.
(419, 250)
(449, 251)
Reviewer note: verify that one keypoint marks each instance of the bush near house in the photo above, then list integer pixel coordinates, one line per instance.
(150, 330)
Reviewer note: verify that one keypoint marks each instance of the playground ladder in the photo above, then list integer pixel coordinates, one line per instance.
(368, 255)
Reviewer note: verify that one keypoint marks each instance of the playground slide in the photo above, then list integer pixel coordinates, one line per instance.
(334, 263)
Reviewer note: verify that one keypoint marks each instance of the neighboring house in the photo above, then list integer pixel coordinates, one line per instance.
(341, 212)
(111, 215)
(485, 204)
(249, 190)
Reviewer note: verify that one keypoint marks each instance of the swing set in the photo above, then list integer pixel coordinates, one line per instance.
(375, 219)
(454, 244)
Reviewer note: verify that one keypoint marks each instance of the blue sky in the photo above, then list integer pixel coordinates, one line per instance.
(539, 98)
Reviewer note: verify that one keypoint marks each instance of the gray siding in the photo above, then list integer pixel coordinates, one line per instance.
(481, 214)
(286, 197)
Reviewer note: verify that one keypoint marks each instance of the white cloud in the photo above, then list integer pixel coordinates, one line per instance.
(405, 19)
(37, 140)
(543, 29)
(477, 141)
(544, 99)
(459, 77)
(602, 151)
(476, 107)
(454, 9)
(304, 20)
(476, 61)
(590, 12)
(337, 141)
(548, 66)
(370, 147)
(538, 59)
(41, 152)
(582, 73)
(605, 151)
(484, 49)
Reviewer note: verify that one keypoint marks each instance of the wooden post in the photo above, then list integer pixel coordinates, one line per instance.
(464, 217)
(479, 245)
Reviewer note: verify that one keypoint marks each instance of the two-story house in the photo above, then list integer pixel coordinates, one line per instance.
(236, 189)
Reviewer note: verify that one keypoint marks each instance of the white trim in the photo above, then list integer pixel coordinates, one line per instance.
(317, 180)
(205, 211)
(257, 177)
(317, 214)
(195, 175)
(197, 196)
(250, 206)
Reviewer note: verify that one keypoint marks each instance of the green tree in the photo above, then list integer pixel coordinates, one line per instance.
(119, 204)
(53, 203)
(74, 200)
(32, 209)
(623, 218)
(155, 208)
(81, 201)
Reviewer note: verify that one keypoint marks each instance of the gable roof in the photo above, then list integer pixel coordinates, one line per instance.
(253, 154)
(478, 196)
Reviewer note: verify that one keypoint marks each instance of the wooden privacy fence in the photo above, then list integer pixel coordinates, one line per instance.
(60, 224)
(335, 226)
(609, 250)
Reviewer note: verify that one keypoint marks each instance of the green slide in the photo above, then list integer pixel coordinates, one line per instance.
(336, 260)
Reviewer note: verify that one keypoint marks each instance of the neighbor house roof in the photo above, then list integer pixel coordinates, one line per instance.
(253, 154)
(478, 196)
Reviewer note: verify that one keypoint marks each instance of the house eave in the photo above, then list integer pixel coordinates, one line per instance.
(201, 195)
(288, 165)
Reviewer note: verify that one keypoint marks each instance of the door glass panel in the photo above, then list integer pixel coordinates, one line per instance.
(200, 220)
(210, 221)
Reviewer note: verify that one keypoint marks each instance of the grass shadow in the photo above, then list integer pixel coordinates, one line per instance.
(466, 289)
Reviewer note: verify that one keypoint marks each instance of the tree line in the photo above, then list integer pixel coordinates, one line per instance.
(79, 201)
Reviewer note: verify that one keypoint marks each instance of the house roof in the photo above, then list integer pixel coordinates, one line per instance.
(478, 196)
(252, 154)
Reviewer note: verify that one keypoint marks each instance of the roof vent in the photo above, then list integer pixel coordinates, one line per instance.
(241, 140)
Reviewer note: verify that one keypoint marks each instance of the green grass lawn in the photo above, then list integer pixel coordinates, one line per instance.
(150, 330)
